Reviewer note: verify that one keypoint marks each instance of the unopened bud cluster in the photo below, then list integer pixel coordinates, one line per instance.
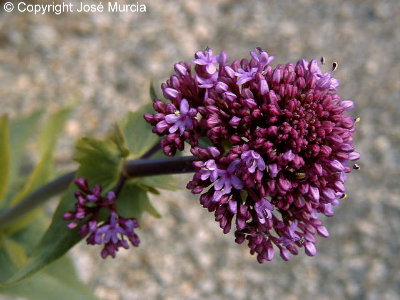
(114, 232)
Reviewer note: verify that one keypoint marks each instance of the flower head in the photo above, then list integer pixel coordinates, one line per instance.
(281, 146)
(112, 232)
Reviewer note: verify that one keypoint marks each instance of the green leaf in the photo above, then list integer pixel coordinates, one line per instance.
(138, 132)
(149, 189)
(164, 182)
(30, 235)
(52, 129)
(7, 266)
(116, 135)
(100, 163)
(47, 143)
(4, 156)
(15, 252)
(21, 131)
(45, 286)
(59, 278)
(58, 281)
(133, 201)
(56, 241)
(205, 142)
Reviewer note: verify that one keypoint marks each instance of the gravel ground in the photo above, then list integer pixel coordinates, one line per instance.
(106, 61)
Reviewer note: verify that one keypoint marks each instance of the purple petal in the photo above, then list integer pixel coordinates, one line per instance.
(310, 249)
(170, 93)
(227, 186)
(214, 175)
(261, 164)
(161, 126)
(231, 73)
(354, 156)
(184, 107)
(211, 68)
(277, 76)
(253, 167)
(328, 210)
(284, 183)
(233, 166)
(217, 196)
(270, 253)
(214, 151)
(181, 69)
(288, 156)
(340, 186)
(172, 118)
(347, 104)
(313, 67)
(187, 124)
(318, 169)
(200, 61)
(219, 184)
(174, 128)
(205, 174)
(322, 231)
(336, 165)
(314, 193)
(328, 193)
(236, 182)
(210, 164)
(233, 206)
(273, 170)
(72, 225)
(234, 121)
(264, 89)
(284, 254)
(182, 127)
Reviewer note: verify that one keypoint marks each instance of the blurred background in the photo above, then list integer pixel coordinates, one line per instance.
(106, 61)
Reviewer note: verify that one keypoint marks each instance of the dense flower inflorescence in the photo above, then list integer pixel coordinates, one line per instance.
(112, 232)
(279, 145)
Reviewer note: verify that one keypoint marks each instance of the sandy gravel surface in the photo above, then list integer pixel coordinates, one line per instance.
(106, 61)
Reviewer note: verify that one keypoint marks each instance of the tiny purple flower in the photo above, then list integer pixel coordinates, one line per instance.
(205, 58)
(207, 83)
(261, 57)
(245, 76)
(253, 161)
(264, 210)
(210, 171)
(182, 119)
(109, 232)
(326, 81)
(227, 179)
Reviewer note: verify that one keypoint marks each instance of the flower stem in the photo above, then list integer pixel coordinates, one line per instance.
(132, 168)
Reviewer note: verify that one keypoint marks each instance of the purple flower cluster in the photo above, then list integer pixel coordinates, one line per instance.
(280, 145)
(112, 232)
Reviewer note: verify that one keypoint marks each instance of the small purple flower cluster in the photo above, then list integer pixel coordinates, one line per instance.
(280, 145)
(112, 232)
